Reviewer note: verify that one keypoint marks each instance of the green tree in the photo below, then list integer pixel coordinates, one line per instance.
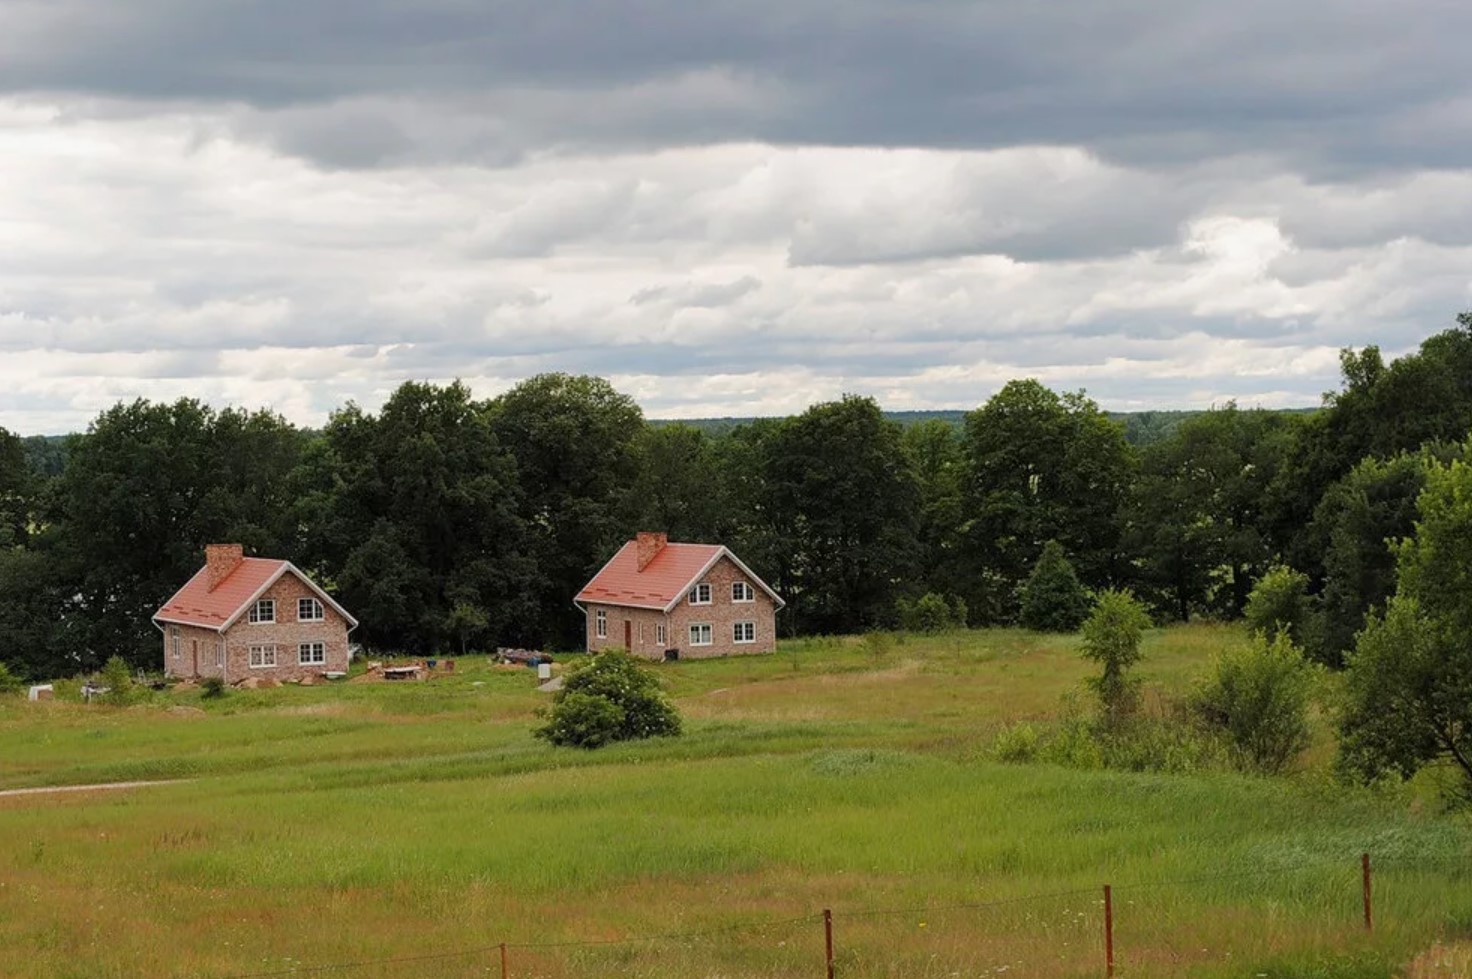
(938, 462)
(16, 490)
(576, 444)
(1280, 604)
(1053, 600)
(118, 681)
(1040, 466)
(1111, 638)
(838, 476)
(1409, 680)
(609, 697)
(931, 612)
(1258, 696)
(679, 490)
(414, 513)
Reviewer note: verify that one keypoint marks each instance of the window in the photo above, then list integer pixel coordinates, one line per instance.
(600, 624)
(743, 632)
(700, 594)
(700, 635)
(178, 643)
(220, 652)
(262, 656)
(311, 652)
(659, 634)
(263, 611)
(308, 610)
(742, 592)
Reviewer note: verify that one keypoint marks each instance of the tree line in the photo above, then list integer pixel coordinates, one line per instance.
(443, 521)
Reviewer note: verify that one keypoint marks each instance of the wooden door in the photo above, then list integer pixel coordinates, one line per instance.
(628, 635)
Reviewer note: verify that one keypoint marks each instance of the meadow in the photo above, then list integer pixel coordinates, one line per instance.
(355, 823)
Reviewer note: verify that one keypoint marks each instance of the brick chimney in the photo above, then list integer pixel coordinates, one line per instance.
(647, 545)
(221, 559)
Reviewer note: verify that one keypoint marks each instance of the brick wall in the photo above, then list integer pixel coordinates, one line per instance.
(722, 615)
(195, 645)
(287, 634)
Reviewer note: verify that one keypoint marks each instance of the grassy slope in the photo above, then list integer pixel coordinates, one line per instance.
(359, 822)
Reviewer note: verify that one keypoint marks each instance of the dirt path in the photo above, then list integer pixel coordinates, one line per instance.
(99, 787)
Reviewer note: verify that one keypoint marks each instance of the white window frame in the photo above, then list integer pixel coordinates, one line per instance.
(702, 628)
(600, 623)
(315, 612)
(745, 629)
(702, 589)
(178, 643)
(263, 612)
(660, 634)
(220, 653)
(259, 654)
(311, 654)
(742, 593)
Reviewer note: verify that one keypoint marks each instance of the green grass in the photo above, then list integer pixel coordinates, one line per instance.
(360, 822)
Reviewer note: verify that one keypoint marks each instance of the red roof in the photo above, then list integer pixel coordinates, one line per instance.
(195, 604)
(666, 578)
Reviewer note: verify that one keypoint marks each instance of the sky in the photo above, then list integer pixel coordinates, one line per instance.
(726, 208)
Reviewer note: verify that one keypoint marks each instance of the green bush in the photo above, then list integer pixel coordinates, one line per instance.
(931, 612)
(1111, 638)
(213, 688)
(630, 705)
(9, 682)
(1280, 602)
(118, 681)
(1053, 599)
(1258, 696)
(1016, 744)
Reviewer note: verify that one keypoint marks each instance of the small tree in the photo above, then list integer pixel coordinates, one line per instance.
(1111, 638)
(466, 620)
(1258, 695)
(1053, 599)
(1280, 603)
(9, 682)
(118, 681)
(931, 613)
(635, 706)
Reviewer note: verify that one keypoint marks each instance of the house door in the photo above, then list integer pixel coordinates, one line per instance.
(194, 644)
(628, 635)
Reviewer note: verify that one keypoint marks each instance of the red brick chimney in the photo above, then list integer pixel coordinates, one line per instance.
(647, 545)
(221, 559)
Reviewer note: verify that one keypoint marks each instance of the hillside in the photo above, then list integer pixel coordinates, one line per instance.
(354, 823)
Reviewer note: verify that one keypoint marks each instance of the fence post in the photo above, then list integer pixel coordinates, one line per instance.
(1365, 873)
(828, 938)
(1108, 932)
(505, 968)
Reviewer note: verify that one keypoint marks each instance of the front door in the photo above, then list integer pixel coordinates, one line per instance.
(628, 635)
(195, 650)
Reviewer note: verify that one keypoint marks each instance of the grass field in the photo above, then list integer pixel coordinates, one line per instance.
(355, 823)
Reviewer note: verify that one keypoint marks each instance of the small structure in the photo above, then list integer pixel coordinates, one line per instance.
(41, 691)
(242, 617)
(664, 600)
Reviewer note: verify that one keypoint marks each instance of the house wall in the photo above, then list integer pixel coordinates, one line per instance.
(191, 637)
(722, 615)
(287, 634)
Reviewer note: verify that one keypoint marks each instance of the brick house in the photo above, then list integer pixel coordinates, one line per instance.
(664, 601)
(247, 616)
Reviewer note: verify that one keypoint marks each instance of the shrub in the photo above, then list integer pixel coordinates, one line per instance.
(1111, 638)
(1258, 697)
(118, 681)
(877, 644)
(1280, 602)
(1053, 599)
(9, 682)
(1016, 744)
(632, 705)
(932, 612)
(213, 688)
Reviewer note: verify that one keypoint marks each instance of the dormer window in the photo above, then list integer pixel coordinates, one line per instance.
(700, 594)
(263, 611)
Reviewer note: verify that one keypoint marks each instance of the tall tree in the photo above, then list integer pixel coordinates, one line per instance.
(416, 521)
(16, 486)
(839, 475)
(1041, 466)
(575, 441)
(678, 490)
(938, 462)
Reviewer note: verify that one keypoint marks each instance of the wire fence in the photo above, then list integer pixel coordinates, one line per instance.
(1090, 931)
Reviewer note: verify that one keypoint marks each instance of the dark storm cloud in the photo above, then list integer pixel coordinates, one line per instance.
(1343, 86)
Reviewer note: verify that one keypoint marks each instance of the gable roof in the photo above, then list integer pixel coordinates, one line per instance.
(195, 604)
(666, 579)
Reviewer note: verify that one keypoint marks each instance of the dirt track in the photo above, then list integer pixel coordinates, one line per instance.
(99, 787)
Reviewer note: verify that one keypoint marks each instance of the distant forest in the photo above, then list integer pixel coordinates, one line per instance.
(442, 520)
